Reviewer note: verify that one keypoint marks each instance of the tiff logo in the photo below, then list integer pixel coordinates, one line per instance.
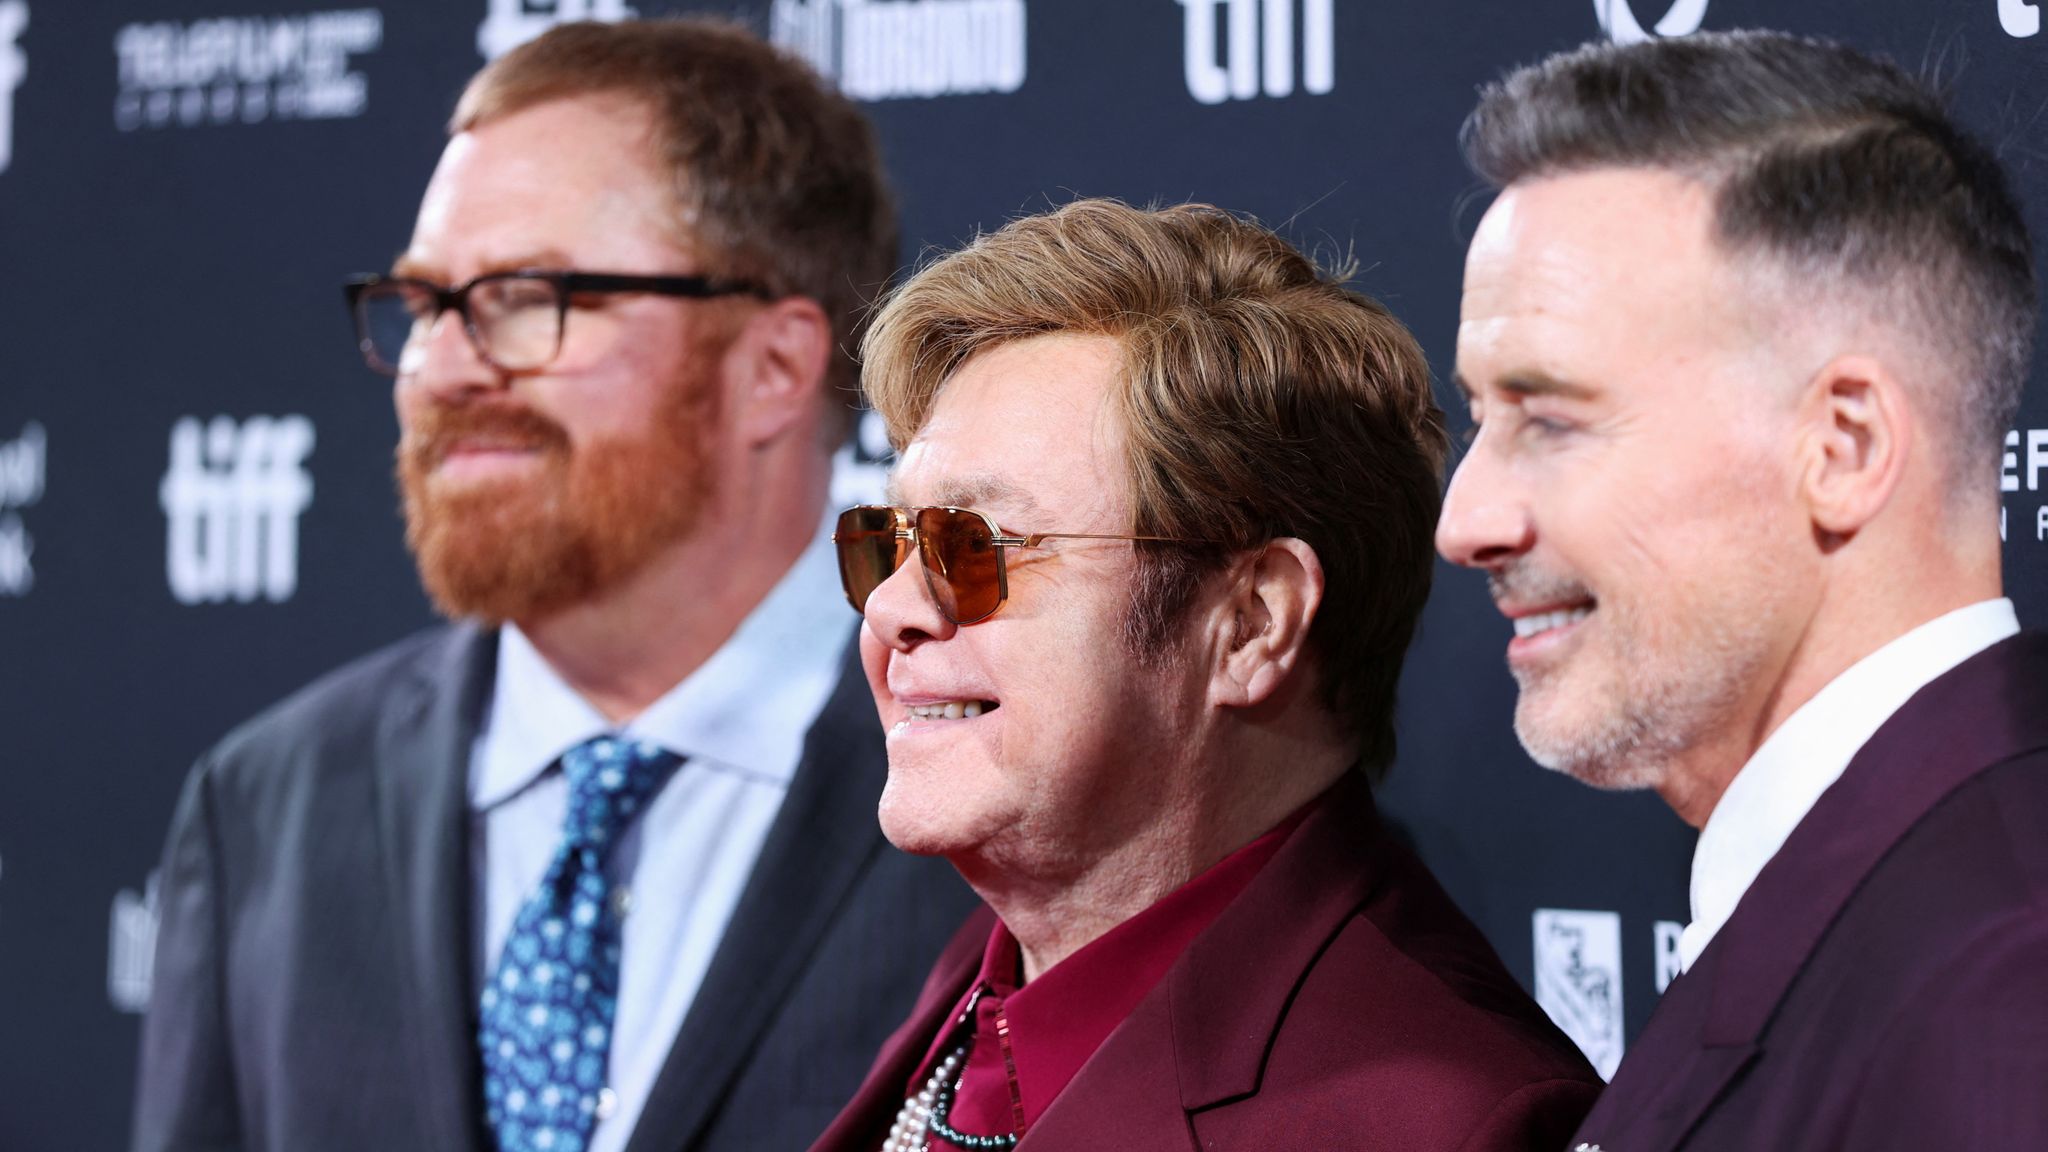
(1618, 20)
(245, 69)
(23, 470)
(131, 948)
(511, 23)
(233, 495)
(887, 49)
(2021, 18)
(13, 70)
(1260, 48)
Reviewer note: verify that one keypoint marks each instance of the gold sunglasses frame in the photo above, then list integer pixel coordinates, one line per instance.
(905, 519)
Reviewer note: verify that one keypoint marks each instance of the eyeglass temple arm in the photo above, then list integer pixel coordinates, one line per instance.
(1033, 540)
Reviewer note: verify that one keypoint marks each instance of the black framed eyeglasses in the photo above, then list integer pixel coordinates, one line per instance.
(514, 319)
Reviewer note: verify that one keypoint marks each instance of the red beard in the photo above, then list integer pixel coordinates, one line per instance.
(523, 549)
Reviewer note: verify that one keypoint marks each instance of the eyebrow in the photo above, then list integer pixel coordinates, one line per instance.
(976, 491)
(1527, 384)
(406, 266)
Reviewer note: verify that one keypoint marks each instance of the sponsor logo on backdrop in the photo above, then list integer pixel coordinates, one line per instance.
(510, 23)
(1664, 957)
(1618, 19)
(131, 947)
(245, 69)
(2021, 18)
(1257, 51)
(13, 70)
(1578, 980)
(24, 466)
(233, 496)
(890, 49)
(2024, 468)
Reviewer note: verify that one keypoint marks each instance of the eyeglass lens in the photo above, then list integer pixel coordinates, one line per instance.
(516, 321)
(963, 567)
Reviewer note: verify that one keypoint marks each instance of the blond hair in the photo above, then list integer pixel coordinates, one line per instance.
(1259, 399)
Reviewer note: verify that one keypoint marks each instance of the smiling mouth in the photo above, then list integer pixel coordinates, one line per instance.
(1536, 624)
(950, 710)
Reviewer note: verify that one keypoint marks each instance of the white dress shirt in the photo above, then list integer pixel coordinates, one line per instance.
(1785, 778)
(739, 721)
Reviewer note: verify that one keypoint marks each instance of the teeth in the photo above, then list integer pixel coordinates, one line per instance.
(950, 710)
(1527, 626)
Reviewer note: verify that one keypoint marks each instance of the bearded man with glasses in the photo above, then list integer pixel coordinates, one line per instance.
(1160, 536)
(593, 868)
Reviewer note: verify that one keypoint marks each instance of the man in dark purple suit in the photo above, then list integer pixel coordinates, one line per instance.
(1135, 640)
(1741, 336)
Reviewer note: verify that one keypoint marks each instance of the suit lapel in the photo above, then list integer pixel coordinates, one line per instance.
(1671, 1076)
(421, 770)
(823, 838)
(1711, 1023)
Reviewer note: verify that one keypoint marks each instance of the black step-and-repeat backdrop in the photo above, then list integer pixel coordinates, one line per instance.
(196, 514)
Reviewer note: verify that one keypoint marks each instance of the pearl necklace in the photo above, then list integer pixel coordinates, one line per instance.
(911, 1132)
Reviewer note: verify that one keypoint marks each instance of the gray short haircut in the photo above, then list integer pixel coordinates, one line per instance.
(1838, 168)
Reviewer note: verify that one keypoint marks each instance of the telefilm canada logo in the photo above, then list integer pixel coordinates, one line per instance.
(13, 70)
(895, 49)
(510, 23)
(1256, 51)
(233, 496)
(1618, 19)
(2024, 468)
(24, 470)
(245, 69)
(1578, 977)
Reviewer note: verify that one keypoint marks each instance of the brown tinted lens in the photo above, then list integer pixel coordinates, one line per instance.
(869, 551)
(962, 564)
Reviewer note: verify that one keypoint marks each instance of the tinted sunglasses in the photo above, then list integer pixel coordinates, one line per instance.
(961, 551)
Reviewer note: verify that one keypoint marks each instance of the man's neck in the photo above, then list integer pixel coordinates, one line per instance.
(1057, 911)
(1845, 632)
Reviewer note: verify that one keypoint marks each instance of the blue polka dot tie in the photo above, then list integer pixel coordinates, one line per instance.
(546, 1028)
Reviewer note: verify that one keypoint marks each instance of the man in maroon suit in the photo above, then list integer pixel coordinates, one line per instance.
(1135, 632)
(1742, 335)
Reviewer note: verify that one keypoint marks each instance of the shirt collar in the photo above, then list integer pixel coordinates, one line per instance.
(746, 709)
(1808, 752)
(1056, 1022)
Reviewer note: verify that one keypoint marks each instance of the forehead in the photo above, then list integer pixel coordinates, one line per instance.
(1024, 429)
(571, 181)
(1591, 267)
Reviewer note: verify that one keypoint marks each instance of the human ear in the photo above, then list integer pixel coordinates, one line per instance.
(781, 357)
(1859, 433)
(1265, 623)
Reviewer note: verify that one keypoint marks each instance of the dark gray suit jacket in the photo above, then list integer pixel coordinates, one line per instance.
(1884, 983)
(314, 972)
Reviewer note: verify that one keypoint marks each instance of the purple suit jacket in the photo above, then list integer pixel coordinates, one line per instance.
(1341, 1001)
(1884, 983)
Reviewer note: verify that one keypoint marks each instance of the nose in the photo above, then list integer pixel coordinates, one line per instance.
(445, 362)
(902, 613)
(1485, 520)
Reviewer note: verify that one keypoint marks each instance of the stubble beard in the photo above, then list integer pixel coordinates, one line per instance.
(1619, 711)
(522, 550)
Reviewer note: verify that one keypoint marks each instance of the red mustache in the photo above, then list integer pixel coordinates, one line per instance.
(441, 430)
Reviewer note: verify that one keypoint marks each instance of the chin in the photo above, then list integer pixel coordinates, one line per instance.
(1613, 751)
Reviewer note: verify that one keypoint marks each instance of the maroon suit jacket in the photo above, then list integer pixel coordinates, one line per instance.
(1884, 983)
(1342, 1001)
